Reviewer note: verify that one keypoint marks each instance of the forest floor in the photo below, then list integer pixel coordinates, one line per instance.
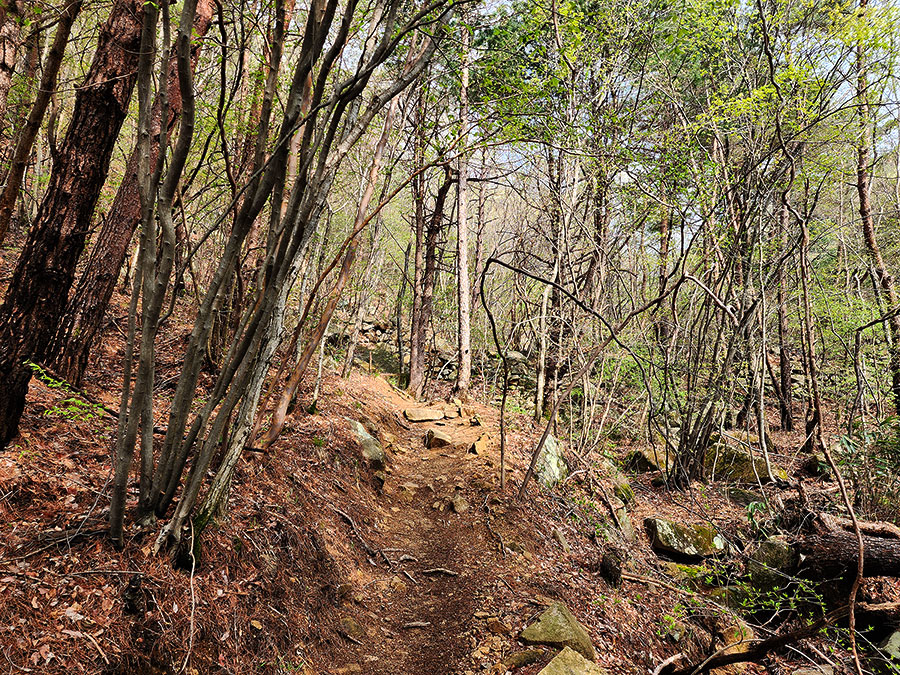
(323, 565)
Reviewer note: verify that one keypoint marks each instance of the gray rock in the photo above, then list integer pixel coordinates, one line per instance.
(741, 496)
(818, 670)
(435, 438)
(371, 449)
(423, 414)
(551, 466)
(891, 646)
(557, 627)
(770, 564)
(738, 457)
(570, 662)
(688, 541)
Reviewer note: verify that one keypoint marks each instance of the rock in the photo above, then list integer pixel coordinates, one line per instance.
(371, 449)
(770, 564)
(482, 445)
(625, 525)
(644, 460)
(739, 635)
(621, 485)
(557, 627)
(551, 466)
(351, 628)
(816, 465)
(691, 576)
(497, 627)
(517, 357)
(818, 670)
(423, 414)
(741, 496)
(435, 438)
(561, 540)
(735, 458)
(520, 659)
(891, 646)
(688, 541)
(570, 662)
(459, 504)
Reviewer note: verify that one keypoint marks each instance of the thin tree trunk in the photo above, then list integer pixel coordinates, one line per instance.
(29, 132)
(865, 212)
(464, 291)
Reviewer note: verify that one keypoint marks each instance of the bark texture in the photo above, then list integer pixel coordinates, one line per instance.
(83, 320)
(37, 293)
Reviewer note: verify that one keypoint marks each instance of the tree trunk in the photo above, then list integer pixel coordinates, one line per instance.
(83, 320)
(785, 404)
(37, 293)
(29, 132)
(464, 292)
(865, 212)
(10, 20)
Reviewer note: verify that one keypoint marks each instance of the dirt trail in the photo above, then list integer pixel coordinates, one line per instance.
(440, 560)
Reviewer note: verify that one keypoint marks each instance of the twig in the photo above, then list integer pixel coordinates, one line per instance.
(368, 549)
(440, 570)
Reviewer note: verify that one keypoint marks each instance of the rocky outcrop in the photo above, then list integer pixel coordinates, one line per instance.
(551, 466)
(371, 449)
(570, 662)
(685, 541)
(558, 627)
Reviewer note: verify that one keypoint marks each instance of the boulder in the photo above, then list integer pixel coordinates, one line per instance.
(644, 460)
(435, 438)
(551, 465)
(770, 564)
(621, 485)
(371, 449)
(686, 541)
(423, 414)
(570, 662)
(557, 627)
(738, 458)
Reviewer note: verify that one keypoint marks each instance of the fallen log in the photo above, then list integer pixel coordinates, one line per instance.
(834, 554)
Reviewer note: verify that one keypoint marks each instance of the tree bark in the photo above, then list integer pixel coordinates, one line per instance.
(835, 554)
(10, 18)
(464, 291)
(37, 293)
(83, 320)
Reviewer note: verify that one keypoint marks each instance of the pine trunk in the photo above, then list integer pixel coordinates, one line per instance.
(36, 297)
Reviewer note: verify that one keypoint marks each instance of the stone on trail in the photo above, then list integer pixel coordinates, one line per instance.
(551, 465)
(570, 662)
(423, 414)
(371, 449)
(891, 646)
(557, 627)
(482, 445)
(688, 541)
(435, 438)
(459, 504)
